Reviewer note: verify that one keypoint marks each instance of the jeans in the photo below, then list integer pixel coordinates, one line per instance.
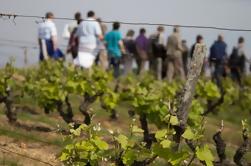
(218, 73)
(114, 63)
(236, 75)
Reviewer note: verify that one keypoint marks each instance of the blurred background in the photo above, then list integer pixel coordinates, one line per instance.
(22, 32)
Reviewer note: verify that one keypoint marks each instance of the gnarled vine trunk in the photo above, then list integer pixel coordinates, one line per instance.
(10, 110)
(242, 150)
(68, 115)
(85, 106)
(189, 88)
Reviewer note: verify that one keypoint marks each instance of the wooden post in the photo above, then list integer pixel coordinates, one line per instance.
(25, 56)
(186, 97)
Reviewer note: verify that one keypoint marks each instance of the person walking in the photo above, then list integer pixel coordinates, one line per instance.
(130, 48)
(174, 56)
(47, 39)
(142, 48)
(88, 32)
(102, 58)
(115, 48)
(206, 70)
(217, 59)
(73, 43)
(199, 40)
(157, 52)
(237, 61)
(69, 28)
(242, 55)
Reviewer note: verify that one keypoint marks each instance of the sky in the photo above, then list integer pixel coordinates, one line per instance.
(220, 13)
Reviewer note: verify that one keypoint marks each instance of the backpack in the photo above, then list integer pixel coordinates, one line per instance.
(156, 49)
(233, 61)
(154, 40)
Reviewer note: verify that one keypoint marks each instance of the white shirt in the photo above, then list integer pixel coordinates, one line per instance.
(47, 29)
(241, 50)
(161, 39)
(72, 26)
(87, 33)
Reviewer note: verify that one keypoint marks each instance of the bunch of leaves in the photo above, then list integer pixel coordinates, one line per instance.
(245, 99)
(152, 98)
(46, 84)
(7, 81)
(232, 93)
(207, 89)
(93, 145)
(97, 82)
(130, 149)
(87, 148)
(110, 99)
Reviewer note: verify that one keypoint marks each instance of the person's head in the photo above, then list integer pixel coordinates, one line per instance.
(77, 16)
(49, 15)
(90, 14)
(220, 38)
(142, 31)
(199, 39)
(116, 25)
(241, 40)
(160, 29)
(176, 29)
(130, 33)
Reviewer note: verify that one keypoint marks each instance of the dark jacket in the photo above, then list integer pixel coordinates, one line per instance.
(218, 51)
(130, 46)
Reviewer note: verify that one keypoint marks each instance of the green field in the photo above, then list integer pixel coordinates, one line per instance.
(46, 146)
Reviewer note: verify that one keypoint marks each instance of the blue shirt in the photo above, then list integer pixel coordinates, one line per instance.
(112, 39)
(218, 51)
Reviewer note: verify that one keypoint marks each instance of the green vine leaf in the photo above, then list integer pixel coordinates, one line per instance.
(188, 134)
(102, 145)
(166, 143)
(174, 120)
(136, 129)
(123, 141)
(160, 134)
(204, 154)
(129, 157)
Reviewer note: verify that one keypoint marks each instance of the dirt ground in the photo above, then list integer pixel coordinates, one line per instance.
(26, 153)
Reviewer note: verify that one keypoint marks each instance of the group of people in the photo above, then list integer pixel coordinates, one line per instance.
(90, 43)
(233, 65)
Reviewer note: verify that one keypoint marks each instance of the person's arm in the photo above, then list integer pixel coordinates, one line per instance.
(55, 42)
(54, 37)
(101, 37)
(122, 47)
(180, 44)
(98, 32)
(121, 44)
